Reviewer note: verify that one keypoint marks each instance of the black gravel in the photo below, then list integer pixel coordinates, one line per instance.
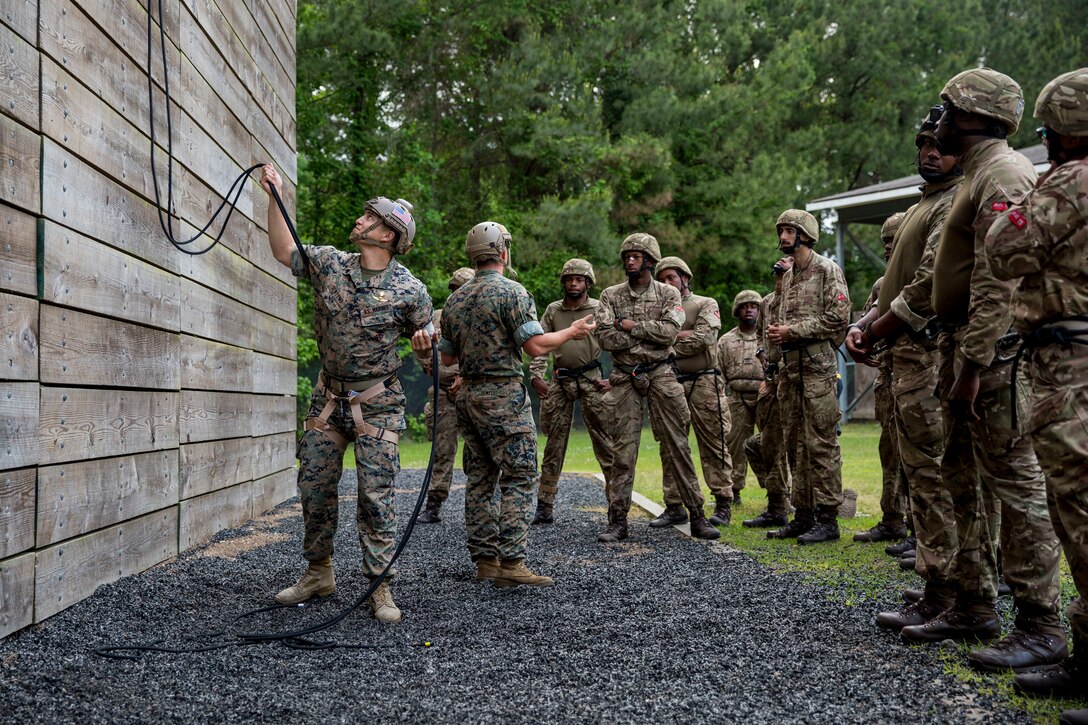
(657, 628)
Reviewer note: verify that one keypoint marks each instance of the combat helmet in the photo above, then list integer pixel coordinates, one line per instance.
(397, 215)
(891, 226)
(578, 266)
(672, 263)
(641, 242)
(988, 93)
(461, 276)
(486, 241)
(802, 221)
(928, 127)
(1063, 104)
(744, 297)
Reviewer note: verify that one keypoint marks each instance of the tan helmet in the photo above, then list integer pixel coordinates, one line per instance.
(461, 276)
(578, 266)
(397, 215)
(641, 242)
(672, 263)
(1063, 104)
(801, 220)
(891, 226)
(486, 241)
(744, 297)
(928, 127)
(988, 93)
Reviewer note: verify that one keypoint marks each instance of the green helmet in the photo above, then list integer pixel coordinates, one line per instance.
(1063, 104)
(891, 226)
(641, 242)
(672, 263)
(578, 266)
(744, 297)
(462, 275)
(800, 220)
(486, 241)
(988, 93)
(397, 215)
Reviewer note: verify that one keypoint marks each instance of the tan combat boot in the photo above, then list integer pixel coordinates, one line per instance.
(381, 601)
(317, 581)
(487, 568)
(514, 573)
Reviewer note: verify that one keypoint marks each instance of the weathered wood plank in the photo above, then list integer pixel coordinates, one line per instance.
(202, 517)
(18, 337)
(21, 160)
(82, 273)
(206, 415)
(81, 348)
(82, 496)
(273, 453)
(206, 313)
(17, 506)
(270, 491)
(274, 375)
(227, 125)
(19, 78)
(72, 570)
(18, 251)
(207, 467)
(209, 365)
(273, 414)
(16, 593)
(18, 425)
(82, 423)
(22, 17)
(124, 22)
(274, 336)
(280, 46)
(228, 273)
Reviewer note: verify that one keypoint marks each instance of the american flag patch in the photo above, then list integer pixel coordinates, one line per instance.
(1018, 220)
(401, 213)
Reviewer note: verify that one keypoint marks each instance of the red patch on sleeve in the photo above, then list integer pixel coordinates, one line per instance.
(1018, 220)
(717, 313)
(999, 206)
(841, 297)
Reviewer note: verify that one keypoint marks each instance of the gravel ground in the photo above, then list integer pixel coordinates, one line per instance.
(659, 627)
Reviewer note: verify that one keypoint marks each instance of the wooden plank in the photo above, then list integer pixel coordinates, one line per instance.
(270, 491)
(72, 570)
(17, 506)
(203, 517)
(274, 375)
(82, 273)
(16, 594)
(207, 467)
(273, 414)
(206, 415)
(274, 336)
(81, 348)
(228, 273)
(82, 496)
(206, 313)
(18, 337)
(18, 425)
(18, 251)
(273, 453)
(226, 124)
(209, 365)
(21, 160)
(279, 45)
(22, 17)
(19, 78)
(82, 423)
(124, 23)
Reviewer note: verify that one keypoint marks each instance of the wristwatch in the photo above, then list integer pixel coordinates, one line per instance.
(618, 324)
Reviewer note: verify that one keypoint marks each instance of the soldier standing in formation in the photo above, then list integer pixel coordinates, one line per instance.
(1043, 241)
(363, 303)
(813, 313)
(742, 374)
(445, 440)
(576, 376)
(637, 321)
(696, 364)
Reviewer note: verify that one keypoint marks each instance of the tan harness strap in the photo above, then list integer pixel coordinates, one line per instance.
(354, 400)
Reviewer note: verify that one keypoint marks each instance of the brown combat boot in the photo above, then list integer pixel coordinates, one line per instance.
(723, 513)
(382, 604)
(513, 572)
(1038, 640)
(803, 520)
(934, 599)
(617, 528)
(774, 517)
(317, 581)
(487, 568)
(701, 528)
(893, 530)
(825, 529)
(1068, 678)
(672, 515)
(429, 515)
(543, 514)
(974, 622)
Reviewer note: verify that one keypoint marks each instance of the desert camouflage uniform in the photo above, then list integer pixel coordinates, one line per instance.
(742, 375)
(658, 315)
(975, 310)
(697, 370)
(485, 324)
(357, 321)
(892, 486)
(1044, 239)
(445, 445)
(766, 450)
(571, 381)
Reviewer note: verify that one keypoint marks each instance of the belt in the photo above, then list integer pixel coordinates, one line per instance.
(490, 379)
(809, 348)
(342, 385)
(640, 369)
(685, 377)
(1067, 332)
(570, 373)
(338, 395)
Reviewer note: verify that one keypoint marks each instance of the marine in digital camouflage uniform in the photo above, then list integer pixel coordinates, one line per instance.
(982, 449)
(486, 325)
(742, 374)
(576, 377)
(814, 310)
(696, 364)
(364, 302)
(637, 321)
(444, 439)
(1043, 241)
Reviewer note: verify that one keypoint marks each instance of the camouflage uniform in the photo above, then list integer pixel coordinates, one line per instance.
(892, 488)
(445, 444)
(742, 374)
(357, 322)
(577, 367)
(766, 451)
(484, 325)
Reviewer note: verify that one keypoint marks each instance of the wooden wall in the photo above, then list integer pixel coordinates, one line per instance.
(146, 396)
